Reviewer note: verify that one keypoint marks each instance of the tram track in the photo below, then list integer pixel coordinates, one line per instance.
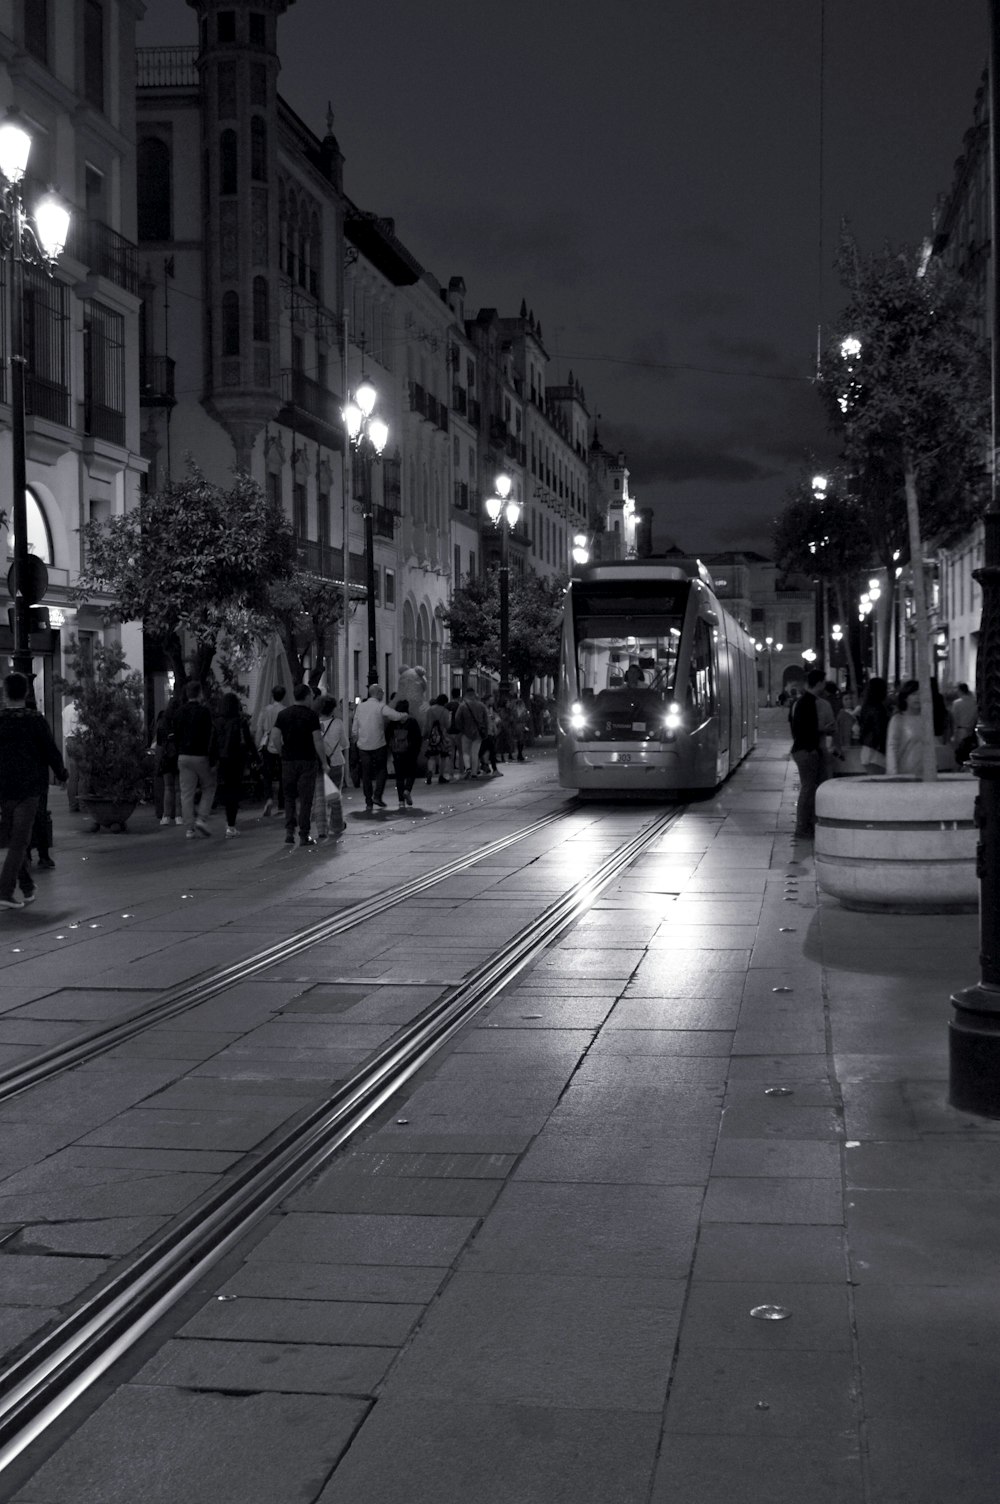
(92, 1043)
(60, 1368)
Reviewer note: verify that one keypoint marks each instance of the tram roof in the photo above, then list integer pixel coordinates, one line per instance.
(647, 569)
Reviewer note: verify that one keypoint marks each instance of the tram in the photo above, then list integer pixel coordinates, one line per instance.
(658, 682)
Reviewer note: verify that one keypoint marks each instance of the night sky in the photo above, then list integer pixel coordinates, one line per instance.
(646, 175)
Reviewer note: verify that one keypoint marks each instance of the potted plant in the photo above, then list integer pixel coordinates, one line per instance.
(907, 385)
(108, 743)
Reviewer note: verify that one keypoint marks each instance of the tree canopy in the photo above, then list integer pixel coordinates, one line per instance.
(305, 609)
(194, 559)
(535, 623)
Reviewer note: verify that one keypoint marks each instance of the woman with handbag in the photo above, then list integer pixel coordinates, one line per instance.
(328, 805)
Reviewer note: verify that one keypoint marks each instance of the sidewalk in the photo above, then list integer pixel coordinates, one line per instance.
(533, 1283)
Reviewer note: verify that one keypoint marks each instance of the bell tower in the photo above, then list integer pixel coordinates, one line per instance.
(238, 74)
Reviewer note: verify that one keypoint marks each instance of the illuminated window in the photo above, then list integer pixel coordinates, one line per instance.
(39, 537)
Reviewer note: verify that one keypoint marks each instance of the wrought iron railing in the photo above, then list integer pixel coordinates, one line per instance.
(166, 67)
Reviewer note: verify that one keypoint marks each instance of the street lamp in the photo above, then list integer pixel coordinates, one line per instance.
(771, 647)
(503, 513)
(38, 244)
(369, 435)
(581, 549)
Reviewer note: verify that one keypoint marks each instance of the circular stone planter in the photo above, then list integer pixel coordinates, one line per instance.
(898, 844)
(108, 811)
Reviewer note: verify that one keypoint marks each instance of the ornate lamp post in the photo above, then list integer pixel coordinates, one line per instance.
(38, 244)
(369, 435)
(770, 647)
(504, 513)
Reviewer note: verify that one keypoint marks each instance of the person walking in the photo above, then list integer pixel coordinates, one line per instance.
(519, 725)
(368, 731)
(470, 723)
(236, 753)
(166, 799)
(811, 720)
(197, 757)
(964, 715)
(270, 752)
(873, 725)
(904, 741)
(328, 803)
(27, 753)
(302, 760)
(488, 749)
(437, 743)
(405, 747)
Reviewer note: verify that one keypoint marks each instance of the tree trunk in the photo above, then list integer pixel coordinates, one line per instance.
(929, 752)
(852, 673)
(890, 621)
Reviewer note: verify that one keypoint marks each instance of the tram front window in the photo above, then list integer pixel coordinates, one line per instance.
(626, 672)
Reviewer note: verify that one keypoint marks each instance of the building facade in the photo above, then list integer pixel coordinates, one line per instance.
(68, 68)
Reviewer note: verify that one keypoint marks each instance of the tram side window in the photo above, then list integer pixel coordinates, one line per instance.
(701, 680)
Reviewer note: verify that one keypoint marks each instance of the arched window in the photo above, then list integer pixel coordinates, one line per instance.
(153, 166)
(227, 162)
(260, 315)
(39, 537)
(258, 149)
(230, 323)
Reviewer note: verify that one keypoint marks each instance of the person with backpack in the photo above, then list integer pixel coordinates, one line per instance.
(404, 743)
(368, 731)
(437, 742)
(470, 723)
(236, 753)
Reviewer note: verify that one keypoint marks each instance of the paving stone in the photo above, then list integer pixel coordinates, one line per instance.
(662, 1042)
(37, 1280)
(287, 1278)
(182, 1128)
(351, 1323)
(262, 1367)
(342, 1237)
(925, 1166)
(18, 1323)
(343, 1192)
(162, 1445)
(411, 1451)
(622, 1158)
(107, 1237)
(567, 1341)
(588, 1229)
(648, 1011)
(808, 1394)
(922, 1237)
(740, 1251)
(143, 1196)
(717, 1315)
(785, 1200)
(735, 1468)
(769, 1156)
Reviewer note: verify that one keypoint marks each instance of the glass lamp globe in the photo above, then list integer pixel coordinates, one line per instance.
(503, 485)
(15, 148)
(366, 397)
(52, 225)
(378, 432)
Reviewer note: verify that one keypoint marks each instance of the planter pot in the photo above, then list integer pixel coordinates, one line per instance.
(107, 811)
(898, 844)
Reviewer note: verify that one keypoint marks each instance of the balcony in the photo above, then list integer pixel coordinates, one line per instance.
(384, 521)
(100, 422)
(156, 381)
(320, 559)
(46, 399)
(312, 409)
(462, 495)
(166, 67)
(105, 252)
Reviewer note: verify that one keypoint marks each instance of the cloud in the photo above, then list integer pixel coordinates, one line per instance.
(675, 459)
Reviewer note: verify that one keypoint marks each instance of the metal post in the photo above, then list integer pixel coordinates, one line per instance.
(504, 605)
(19, 511)
(366, 457)
(974, 1030)
(826, 626)
(347, 482)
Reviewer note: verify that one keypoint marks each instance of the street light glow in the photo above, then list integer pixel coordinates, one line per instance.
(366, 397)
(850, 347)
(503, 484)
(15, 148)
(52, 224)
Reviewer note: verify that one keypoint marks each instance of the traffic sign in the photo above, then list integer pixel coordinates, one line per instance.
(36, 582)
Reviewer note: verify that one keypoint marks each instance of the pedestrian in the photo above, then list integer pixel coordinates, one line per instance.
(873, 724)
(470, 723)
(269, 747)
(488, 750)
(905, 738)
(27, 753)
(328, 803)
(437, 742)
(302, 761)
(368, 731)
(520, 721)
(236, 754)
(964, 714)
(812, 732)
(166, 799)
(41, 833)
(197, 759)
(404, 744)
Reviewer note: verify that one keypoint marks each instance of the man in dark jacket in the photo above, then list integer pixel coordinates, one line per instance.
(812, 724)
(303, 757)
(27, 752)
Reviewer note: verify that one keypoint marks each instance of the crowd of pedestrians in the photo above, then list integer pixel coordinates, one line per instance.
(886, 729)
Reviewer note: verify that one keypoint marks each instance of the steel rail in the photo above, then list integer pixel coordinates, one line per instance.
(61, 1367)
(91, 1043)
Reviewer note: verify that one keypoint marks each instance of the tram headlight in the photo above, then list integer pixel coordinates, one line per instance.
(577, 719)
(673, 719)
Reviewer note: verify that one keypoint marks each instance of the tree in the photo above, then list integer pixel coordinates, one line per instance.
(194, 561)
(906, 384)
(825, 537)
(535, 624)
(305, 609)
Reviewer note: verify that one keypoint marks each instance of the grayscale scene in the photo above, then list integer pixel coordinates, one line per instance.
(499, 752)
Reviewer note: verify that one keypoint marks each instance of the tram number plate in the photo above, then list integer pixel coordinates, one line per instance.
(622, 757)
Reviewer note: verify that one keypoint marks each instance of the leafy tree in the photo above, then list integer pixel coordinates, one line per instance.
(535, 624)
(827, 538)
(109, 739)
(906, 384)
(193, 561)
(305, 609)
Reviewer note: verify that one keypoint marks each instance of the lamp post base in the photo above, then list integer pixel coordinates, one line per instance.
(974, 1051)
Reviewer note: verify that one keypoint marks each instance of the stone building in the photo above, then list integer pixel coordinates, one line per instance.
(68, 67)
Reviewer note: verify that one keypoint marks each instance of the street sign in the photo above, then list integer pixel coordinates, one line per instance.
(36, 583)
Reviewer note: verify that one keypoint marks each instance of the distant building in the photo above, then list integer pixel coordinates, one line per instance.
(770, 605)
